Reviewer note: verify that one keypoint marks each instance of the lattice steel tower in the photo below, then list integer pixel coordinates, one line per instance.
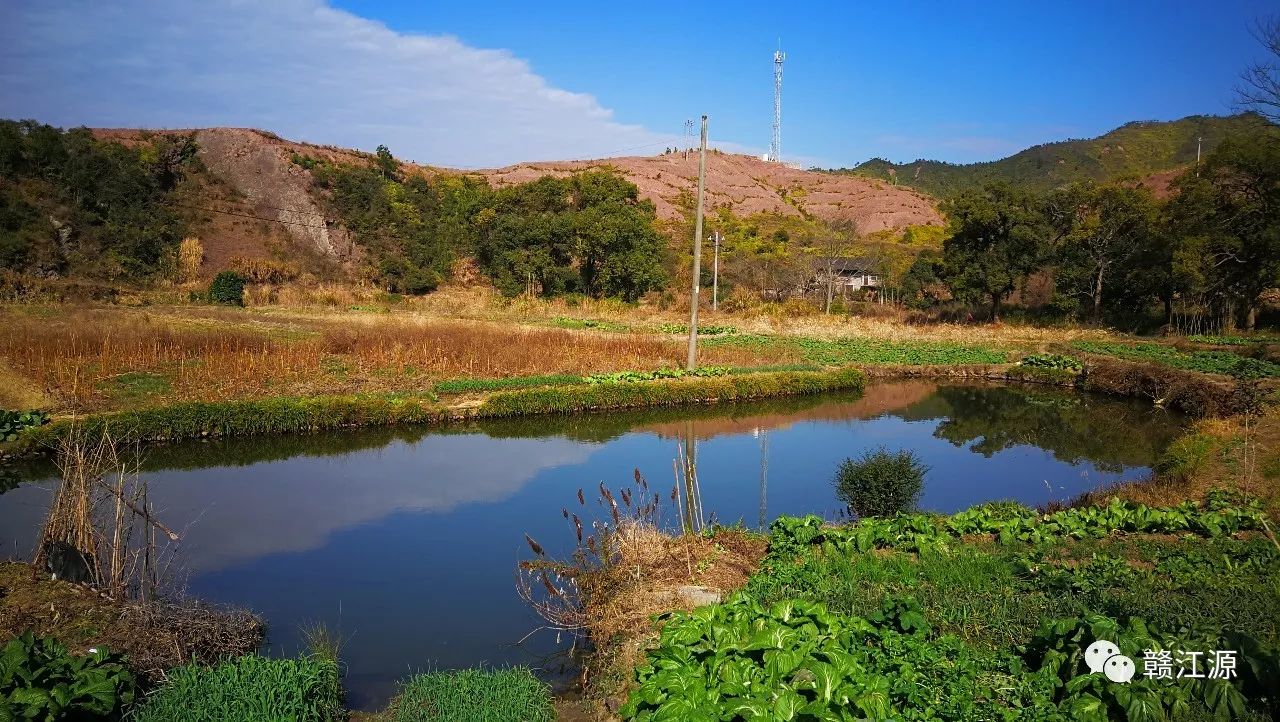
(775, 145)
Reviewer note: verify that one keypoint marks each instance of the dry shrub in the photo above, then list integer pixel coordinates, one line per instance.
(265, 270)
(18, 287)
(651, 567)
(321, 294)
(1186, 391)
(190, 259)
(626, 571)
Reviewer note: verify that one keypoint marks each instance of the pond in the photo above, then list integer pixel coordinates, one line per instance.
(406, 540)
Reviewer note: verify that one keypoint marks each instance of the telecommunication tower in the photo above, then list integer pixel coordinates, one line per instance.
(775, 144)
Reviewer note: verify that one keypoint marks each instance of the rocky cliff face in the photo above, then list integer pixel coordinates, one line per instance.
(272, 187)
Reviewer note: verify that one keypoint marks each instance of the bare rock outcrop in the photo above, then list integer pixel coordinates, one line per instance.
(273, 187)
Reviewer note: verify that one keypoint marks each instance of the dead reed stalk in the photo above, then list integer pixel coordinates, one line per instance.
(91, 532)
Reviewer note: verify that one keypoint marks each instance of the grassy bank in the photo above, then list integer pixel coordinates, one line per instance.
(153, 638)
(276, 415)
(1194, 393)
(669, 393)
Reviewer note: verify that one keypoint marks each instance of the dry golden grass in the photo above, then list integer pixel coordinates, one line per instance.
(798, 319)
(93, 359)
(68, 358)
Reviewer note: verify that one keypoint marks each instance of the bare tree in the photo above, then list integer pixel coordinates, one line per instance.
(830, 244)
(1259, 88)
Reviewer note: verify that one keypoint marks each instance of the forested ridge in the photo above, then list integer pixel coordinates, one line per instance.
(588, 233)
(1136, 149)
(1209, 251)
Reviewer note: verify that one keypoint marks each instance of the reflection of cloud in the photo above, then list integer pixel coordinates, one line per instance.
(231, 514)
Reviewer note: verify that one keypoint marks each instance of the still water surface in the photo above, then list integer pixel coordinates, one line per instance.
(406, 540)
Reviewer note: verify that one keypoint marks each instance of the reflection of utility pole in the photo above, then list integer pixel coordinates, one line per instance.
(715, 271)
(764, 476)
(692, 494)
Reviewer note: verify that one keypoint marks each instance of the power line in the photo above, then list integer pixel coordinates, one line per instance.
(253, 217)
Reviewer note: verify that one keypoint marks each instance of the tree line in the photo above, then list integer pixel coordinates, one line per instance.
(1208, 247)
(74, 205)
(588, 233)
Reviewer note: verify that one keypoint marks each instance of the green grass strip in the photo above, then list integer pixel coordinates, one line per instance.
(669, 392)
(473, 695)
(1211, 362)
(248, 689)
(838, 352)
(197, 419)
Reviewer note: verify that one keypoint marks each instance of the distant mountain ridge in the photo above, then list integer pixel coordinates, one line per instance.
(1137, 149)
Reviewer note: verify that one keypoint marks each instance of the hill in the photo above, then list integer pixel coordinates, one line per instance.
(746, 185)
(1137, 149)
(266, 195)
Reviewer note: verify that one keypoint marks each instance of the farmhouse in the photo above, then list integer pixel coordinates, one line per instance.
(845, 274)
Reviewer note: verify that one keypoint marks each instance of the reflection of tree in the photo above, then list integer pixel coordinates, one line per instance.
(1073, 426)
(1111, 434)
(9, 478)
(596, 427)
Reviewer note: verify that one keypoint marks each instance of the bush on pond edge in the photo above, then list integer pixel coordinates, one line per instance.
(880, 482)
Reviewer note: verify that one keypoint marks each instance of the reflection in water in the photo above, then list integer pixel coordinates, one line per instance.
(1074, 427)
(406, 539)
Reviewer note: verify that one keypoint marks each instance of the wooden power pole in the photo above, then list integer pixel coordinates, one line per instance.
(697, 253)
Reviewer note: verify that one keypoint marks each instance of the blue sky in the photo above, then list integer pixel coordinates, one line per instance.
(474, 84)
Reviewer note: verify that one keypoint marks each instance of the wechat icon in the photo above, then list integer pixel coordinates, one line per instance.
(1104, 656)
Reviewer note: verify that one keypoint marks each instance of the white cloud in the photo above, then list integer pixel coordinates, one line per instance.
(298, 68)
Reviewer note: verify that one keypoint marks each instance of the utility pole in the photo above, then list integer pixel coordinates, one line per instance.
(1198, 141)
(697, 253)
(715, 271)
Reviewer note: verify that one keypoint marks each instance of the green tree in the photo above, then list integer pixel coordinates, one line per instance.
(1102, 230)
(589, 233)
(997, 236)
(388, 166)
(1226, 217)
(923, 280)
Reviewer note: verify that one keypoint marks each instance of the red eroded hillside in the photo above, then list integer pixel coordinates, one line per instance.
(749, 185)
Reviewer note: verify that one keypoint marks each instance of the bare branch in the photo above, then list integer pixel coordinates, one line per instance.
(1259, 88)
